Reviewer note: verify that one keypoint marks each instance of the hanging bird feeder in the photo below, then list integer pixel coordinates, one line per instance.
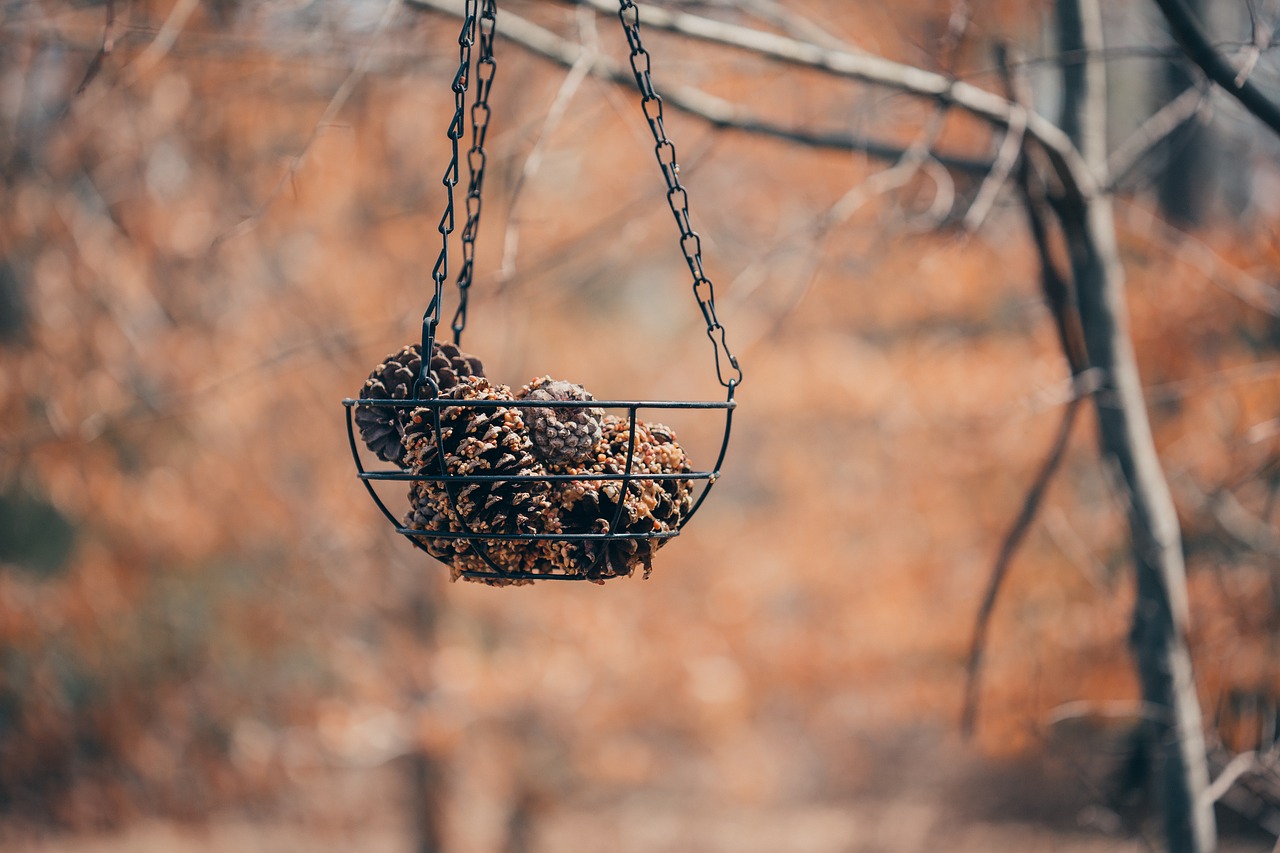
(544, 482)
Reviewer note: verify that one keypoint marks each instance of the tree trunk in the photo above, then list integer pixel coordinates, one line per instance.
(1160, 615)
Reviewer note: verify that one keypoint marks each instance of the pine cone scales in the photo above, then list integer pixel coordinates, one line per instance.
(562, 435)
(382, 427)
(505, 441)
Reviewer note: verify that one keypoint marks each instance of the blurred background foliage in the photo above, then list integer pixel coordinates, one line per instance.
(201, 614)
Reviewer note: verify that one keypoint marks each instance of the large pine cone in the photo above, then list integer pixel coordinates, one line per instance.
(479, 440)
(383, 427)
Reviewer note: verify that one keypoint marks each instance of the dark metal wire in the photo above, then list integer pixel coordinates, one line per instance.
(479, 25)
(440, 272)
(677, 197)
(476, 160)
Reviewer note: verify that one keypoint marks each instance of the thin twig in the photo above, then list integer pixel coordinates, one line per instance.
(1164, 122)
(1241, 765)
(1008, 547)
(108, 45)
(1261, 32)
(555, 113)
(1248, 530)
(1188, 249)
(718, 112)
(879, 71)
(164, 41)
(1058, 295)
(1006, 157)
(1189, 34)
(331, 111)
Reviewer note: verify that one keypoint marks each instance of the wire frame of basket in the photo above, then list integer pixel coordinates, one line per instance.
(591, 546)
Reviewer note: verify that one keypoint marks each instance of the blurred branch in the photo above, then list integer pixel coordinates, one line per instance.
(1250, 532)
(796, 24)
(331, 111)
(1262, 33)
(160, 46)
(1189, 34)
(1239, 766)
(1008, 547)
(1060, 298)
(108, 45)
(875, 70)
(1011, 148)
(1152, 132)
(716, 111)
(1189, 249)
(555, 113)
(914, 160)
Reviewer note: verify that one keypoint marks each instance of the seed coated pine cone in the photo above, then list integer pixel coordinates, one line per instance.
(497, 441)
(562, 435)
(649, 506)
(382, 427)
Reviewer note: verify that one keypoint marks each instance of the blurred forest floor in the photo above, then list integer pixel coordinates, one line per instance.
(928, 793)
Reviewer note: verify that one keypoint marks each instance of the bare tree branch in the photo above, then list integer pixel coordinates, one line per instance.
(1242, 764)
(875, 70)
(555, 113)
(164, 40)
(1186, 248)
(716, 111)
(1188, 32)
(1059, 298)
(1010, 149)
(331, 111)
(1152, 132)
(108, 45)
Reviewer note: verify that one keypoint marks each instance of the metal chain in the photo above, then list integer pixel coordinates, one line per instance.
(677, 196)
(476, 159)
(431, 318)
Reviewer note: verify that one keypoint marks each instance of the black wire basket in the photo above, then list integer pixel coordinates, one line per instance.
(478, 499)
(563, 545)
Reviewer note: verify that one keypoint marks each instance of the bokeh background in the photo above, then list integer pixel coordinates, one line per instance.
(211, 639)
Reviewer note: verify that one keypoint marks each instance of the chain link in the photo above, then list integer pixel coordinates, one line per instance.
(677, 196)
(476, 159)
(461, 80)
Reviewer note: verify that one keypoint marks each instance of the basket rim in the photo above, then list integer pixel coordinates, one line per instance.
(447, 402)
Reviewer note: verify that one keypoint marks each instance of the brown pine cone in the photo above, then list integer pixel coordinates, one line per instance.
(382, 427)
(478, 441)
(649, 506)
(496, 440)
(562, 435)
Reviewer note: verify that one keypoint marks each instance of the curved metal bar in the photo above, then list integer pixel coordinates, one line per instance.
(355, 454)
(724, 448)
(533, 537)
(437, 402)
(405, 476)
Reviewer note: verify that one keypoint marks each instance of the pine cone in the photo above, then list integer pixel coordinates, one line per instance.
(383, 427)
(649, 506)
(482, 440)
(474, 441)
(562, 436)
